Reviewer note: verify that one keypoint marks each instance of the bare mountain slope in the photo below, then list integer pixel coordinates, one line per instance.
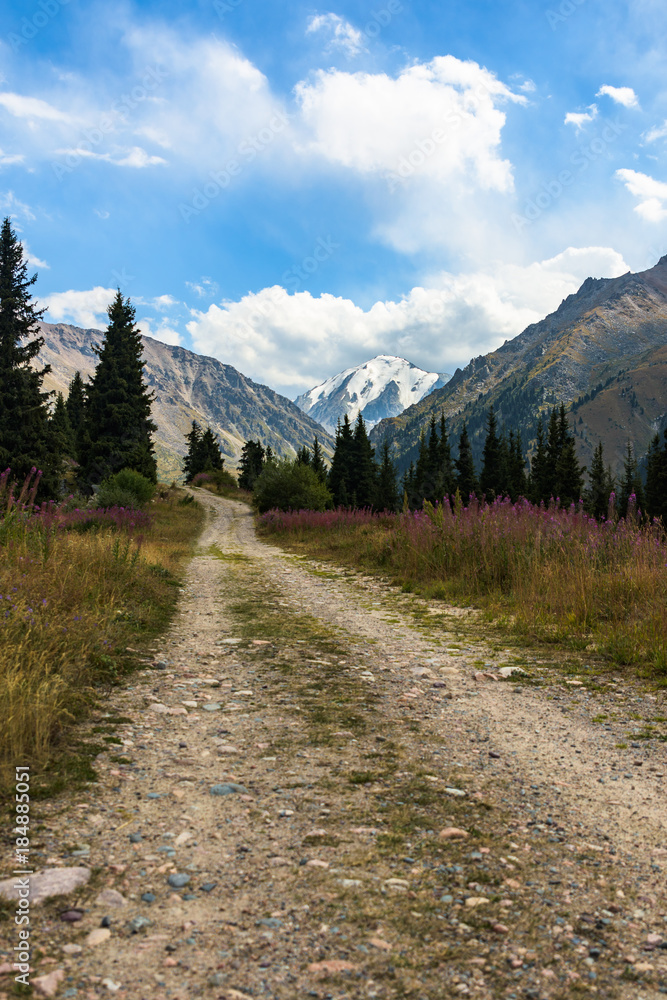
(190, 387)
(607, 339)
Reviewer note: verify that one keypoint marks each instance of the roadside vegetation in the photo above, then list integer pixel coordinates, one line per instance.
(78, 586)
(548, 573)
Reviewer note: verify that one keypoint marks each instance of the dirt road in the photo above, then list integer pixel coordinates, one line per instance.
(327, 789)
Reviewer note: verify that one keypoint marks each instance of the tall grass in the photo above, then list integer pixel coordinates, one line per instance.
(556, 574)
(77, 586)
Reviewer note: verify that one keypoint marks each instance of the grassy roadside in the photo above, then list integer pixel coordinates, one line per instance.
(552, 577)
(74, 618)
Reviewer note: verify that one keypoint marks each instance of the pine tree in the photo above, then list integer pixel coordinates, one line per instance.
(447, 476)
(540, 478)
(76, 413)
(118, 411)
(408, 487)
(466, 477)
(386, 492)
(518, 481)
(253, 460)
(60, 429)
(596, 497)
(192, 460)
(317, 461)
(24, 414)
(491, 478)
(303, 455)
(420, 477)
(656, 480)
(569, 473)
(341, 472)
(555, 442)
(364, 467)
(210, 449)
(631, 484)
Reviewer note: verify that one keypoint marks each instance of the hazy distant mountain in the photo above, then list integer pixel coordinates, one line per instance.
(190, 387)
(382, 387)
(604, 351)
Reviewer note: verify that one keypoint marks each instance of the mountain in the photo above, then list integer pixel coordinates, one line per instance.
(382, 387)
(189, 387)
(603, 352)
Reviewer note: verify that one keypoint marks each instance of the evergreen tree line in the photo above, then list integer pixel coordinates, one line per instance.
(357, 479)
(104, 426)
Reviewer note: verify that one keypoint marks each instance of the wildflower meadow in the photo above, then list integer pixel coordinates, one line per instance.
(552, 573)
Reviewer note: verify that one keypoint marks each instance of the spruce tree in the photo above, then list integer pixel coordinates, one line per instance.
(386, 492)
(421, 474)
(491, 478)
(596, 497)
(466, 477)
(341, 472)
(192, 460)
(518, 481)
(656, 480)
(24, 414)
(363, 465)
(76, 413)
(303, 455)
(631, 484)
(447, 475)
(569, 473)
(118, 411)
(60, 429)
(408, 488)
(555, 442)
(317, 461)
(253, 460)
(540, 478)
(212, 459)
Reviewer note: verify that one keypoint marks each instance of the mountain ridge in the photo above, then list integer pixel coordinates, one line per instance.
(189, 387)
(601, 338)
(381, 387)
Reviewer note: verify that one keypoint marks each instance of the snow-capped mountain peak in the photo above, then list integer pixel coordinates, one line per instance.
(382, 387)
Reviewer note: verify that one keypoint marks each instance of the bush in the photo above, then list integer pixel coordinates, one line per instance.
(126, 488)
(288, 485)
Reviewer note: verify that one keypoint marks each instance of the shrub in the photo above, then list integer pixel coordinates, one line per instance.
(287, 485)
(126, 488)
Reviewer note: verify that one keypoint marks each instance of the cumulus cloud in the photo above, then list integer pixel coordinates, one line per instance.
(341, 33)
(438, 120)
(622, 95)
(160, 330)
(580, 118)
(86, 308)
(294, 341)
(652, 194)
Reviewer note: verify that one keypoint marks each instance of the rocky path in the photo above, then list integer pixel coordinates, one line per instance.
(322, 788)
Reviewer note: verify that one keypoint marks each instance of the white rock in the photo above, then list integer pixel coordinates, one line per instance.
(98, 936)
(47, 986)
(159, 708)
(110, 897)
(51, 882)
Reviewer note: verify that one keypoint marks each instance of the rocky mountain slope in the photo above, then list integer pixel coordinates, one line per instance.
(603, 352)
(190, 387)
(382, 387)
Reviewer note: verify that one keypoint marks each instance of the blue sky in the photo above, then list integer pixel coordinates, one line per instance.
(296, 189)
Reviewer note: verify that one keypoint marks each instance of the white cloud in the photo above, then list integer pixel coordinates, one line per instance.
(13, 206)
(435, 120)
(87, 308)
(622, 95)
(164, 302)
(31, 259)
(9, 159)
(580, 118)
(204, 288)
(652, 194)
(33, 108)
(162, 332)
(134, 157)
(294, 341)
(342, 34)
(657, 132)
